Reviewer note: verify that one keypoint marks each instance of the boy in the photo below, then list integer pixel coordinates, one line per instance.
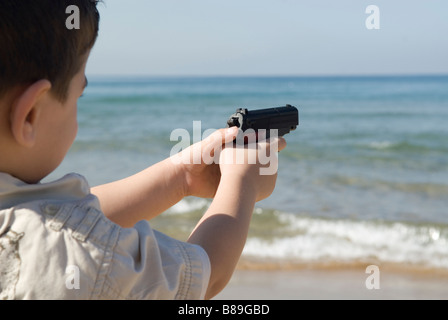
(61, 240)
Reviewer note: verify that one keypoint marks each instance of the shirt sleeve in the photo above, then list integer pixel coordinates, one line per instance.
(147, 264)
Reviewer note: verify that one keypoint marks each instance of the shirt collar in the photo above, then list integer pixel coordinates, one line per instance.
(14, 191)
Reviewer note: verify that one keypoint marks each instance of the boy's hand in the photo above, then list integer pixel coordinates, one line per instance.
(254, 165)
(202, 176)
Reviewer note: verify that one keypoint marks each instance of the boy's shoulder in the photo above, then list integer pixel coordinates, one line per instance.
(14, 192)
(43, 233)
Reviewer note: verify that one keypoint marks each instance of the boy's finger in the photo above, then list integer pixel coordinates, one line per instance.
(222, 136)
(281, 143)
(277, 143)
(212, 146)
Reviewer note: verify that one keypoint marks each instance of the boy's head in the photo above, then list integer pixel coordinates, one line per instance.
(42, 65)
(36, 44)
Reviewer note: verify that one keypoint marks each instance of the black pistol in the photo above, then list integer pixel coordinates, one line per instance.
(284, 119)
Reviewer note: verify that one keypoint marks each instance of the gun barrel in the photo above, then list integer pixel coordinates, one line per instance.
(284, 119)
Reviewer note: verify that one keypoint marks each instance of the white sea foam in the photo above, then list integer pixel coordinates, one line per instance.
(319, 240)
(185, 206)
(380, 144)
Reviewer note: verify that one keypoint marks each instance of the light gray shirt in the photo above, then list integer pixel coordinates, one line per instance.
(55, 243)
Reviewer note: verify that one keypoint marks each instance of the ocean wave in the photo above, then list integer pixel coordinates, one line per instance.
(323, 241)
(381, 145)
(430, 189)
(405, 146)
(280, 238)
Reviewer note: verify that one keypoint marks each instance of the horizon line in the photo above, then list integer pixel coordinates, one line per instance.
(354, 75)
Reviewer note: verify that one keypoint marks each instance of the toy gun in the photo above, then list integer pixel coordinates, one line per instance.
(284, 119)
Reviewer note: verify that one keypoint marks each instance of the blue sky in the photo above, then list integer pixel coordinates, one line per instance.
(269, 37)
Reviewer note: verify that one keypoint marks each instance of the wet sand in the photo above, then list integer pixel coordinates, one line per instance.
(339, 284)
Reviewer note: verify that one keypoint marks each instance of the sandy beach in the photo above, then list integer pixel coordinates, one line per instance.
(334, 284)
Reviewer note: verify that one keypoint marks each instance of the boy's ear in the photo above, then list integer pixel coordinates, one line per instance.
(25, 112)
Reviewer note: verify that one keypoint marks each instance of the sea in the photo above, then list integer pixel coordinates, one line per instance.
(362, 181)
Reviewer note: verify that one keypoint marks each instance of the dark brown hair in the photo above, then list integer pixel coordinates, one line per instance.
(35, 43)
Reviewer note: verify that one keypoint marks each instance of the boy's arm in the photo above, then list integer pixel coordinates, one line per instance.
(141, 196)
(223, 230)
(150, 192)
